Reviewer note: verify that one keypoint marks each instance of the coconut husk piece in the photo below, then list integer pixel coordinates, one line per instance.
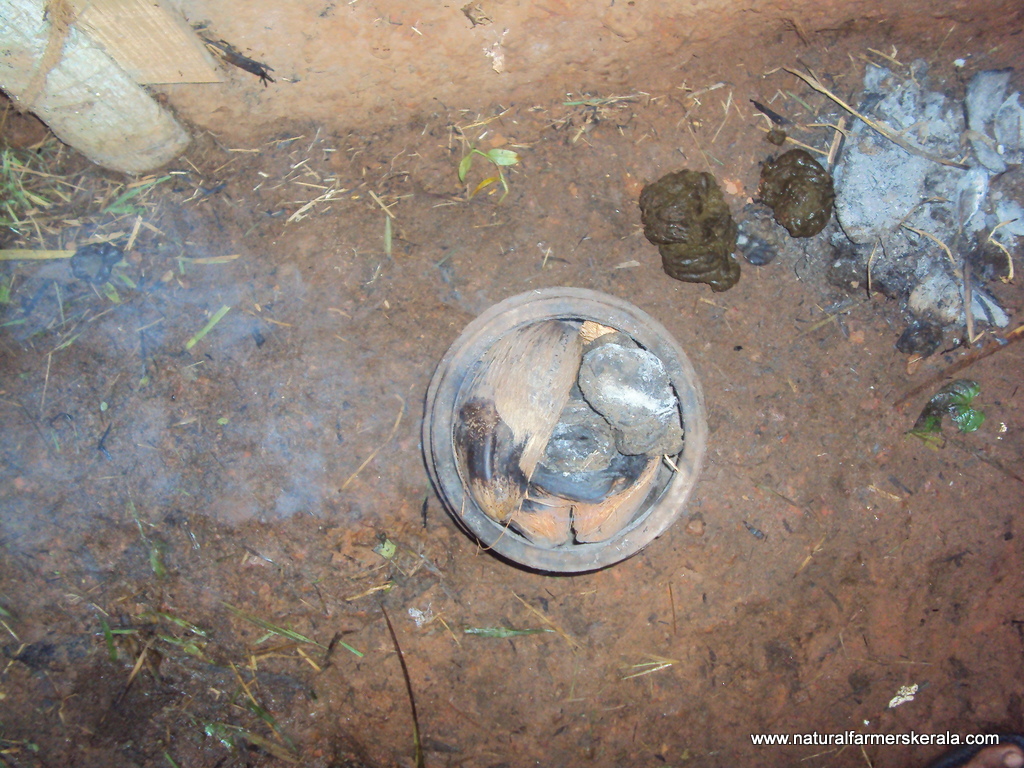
(591, 330)
(601, 521)
(508, 409)
(545, 520)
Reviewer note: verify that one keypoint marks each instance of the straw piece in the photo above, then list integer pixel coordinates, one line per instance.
(877, 127)
(28, 254)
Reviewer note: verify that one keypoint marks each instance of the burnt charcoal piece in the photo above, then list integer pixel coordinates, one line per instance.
(758, 252)
(686, 216)
(799, 191)
(920, 338)
(591, 485)
(94, 262)
(582, 440)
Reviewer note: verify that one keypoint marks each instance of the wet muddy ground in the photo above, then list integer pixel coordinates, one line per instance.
(191, 568)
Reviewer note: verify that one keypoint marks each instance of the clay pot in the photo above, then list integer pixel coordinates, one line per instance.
(664, 496)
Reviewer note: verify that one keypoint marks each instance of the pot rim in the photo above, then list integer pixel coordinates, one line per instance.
(569, 304)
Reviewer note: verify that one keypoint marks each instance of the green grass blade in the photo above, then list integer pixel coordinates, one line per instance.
(217, 317)
(108, 637)
(288, 634)
(503, 632)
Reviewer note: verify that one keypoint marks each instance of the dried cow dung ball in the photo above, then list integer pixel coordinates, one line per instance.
(95, 262)
(799, 191)
(686, 216)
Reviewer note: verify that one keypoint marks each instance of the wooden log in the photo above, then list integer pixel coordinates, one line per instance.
(78, 90)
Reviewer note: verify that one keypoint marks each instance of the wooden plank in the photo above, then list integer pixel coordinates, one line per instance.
(151, 43)
(86, 98)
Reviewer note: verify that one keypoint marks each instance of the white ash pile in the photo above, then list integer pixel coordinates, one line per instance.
(922, 229)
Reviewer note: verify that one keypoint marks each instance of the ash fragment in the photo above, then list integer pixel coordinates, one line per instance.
(921, 218)
(631, 389)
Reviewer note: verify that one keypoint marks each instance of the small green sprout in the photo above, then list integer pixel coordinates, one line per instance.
(955, 399)
(499, 158)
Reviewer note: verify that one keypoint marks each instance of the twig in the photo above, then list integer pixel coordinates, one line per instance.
(798, 143)
(1000, 246)
(967, 360)
(46, 382)
(728, 105)
(699, 148)
(377, 450)
(994, 463)
(380, 202)
(934, 239)
(29, 254)
(672, 602)
(837, 142)
(135, 671)
(417, 744)
(877, 127)
(656, 664)
(968, 309)
(871, 259)
(572, 643)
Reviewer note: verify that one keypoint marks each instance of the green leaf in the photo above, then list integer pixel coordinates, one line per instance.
(183, 623)
(929, 422)
(119, 205)
(467, 161)
(273, 629)
(966, 419)
(502, 156)
(350, 649)
(156, 560)
(216, 318)
(111, 293)
(108, 636)
(386, 549)
(959, 392)
(933, 440)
